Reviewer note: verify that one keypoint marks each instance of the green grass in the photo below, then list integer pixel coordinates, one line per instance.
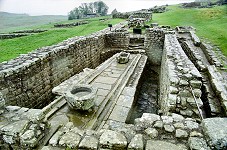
(11, 48)
(210, 23)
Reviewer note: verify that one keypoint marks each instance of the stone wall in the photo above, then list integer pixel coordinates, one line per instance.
(153, 44)
(28, 80)
(179, 77)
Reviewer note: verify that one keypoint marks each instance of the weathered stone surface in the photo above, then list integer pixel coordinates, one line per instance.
(89, 142)
(158, 124)
(181, 133)
(151, 132)
(169, 128)
(162, 145)
(167, 119)
(191, 124)
(196, 143)
(147, 120)
(215, 132)
(112, 140)
(177, 117)
(136, 143)
(2, 102)
(70, 139)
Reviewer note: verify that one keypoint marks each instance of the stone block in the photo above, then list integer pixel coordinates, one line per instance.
(181, 133)
(169, 128)
(162, 145)
(215, 132)
(151, 132)
(196, 143)
(136, 143)
(89, 142)
(119, 113)
(112, 140)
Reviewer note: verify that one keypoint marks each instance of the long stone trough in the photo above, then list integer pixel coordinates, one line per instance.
(114, 95)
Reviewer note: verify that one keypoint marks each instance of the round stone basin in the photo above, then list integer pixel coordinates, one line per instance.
(81, 97)
(123, 58)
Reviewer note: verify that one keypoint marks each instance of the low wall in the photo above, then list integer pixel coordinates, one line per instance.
(178, 74)
(27, 81)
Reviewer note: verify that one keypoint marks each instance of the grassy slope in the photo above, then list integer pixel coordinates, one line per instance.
(12, 22)
(11, 48)
(211, 23)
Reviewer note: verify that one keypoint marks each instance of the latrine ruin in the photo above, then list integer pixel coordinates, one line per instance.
(169, 69)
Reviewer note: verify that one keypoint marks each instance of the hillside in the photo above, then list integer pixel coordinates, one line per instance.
(210, 23)
(12, 22)
(11, 48)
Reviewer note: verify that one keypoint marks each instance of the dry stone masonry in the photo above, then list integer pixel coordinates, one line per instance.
(34, 113)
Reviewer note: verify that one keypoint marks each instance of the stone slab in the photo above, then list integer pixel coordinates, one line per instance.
(215, 130)
(125, 101)
(105, 80)
(162, 145)
(119, 113)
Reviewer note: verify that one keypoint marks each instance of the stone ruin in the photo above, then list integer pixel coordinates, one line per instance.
(191, 93)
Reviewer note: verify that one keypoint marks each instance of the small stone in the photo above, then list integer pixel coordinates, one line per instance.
(181, 133)
(177, 117)
(112, 140)
(89, 142)
(191, 125)
(169, 128)
(70, 139)
(29, 134)
(158, 124)
(136, 143)
(167, 119)
(197, 144)
(179, 125)
(183, 82)
(196, 134)
(151, 132)
(173, 90)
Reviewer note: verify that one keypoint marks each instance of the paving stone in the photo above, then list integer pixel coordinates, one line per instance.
(215, 130)
(129, 91)
(105, 80)
(162, 145)
(181, 133)
(196, 143)
(136, 143)
(151, 132)
(112, 140)
(119, 113)
(102, 92)
(89, 142)
(101, 86)
(125, 101)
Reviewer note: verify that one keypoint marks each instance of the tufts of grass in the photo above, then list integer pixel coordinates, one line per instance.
(11, 48)
(210, 23)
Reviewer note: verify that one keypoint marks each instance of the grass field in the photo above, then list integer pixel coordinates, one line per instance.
(11, 48)
(210, 23)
